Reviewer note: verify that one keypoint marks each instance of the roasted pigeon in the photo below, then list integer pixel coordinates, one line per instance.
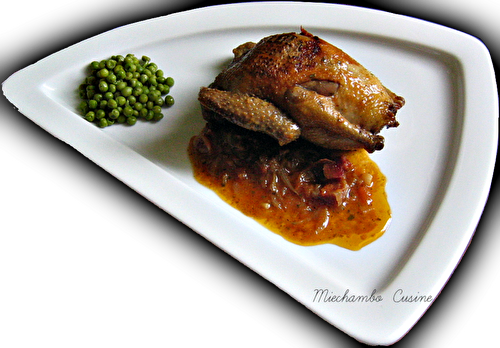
(296, 84)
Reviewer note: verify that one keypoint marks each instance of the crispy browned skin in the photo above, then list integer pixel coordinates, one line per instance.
(249, 112)
(334, 100)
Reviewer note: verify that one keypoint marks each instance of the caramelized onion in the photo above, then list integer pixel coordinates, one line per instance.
(307, 194)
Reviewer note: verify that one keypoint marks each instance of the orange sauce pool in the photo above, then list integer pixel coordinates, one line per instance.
(304, 193)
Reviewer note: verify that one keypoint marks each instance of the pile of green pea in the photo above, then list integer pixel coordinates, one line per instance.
(124, 89)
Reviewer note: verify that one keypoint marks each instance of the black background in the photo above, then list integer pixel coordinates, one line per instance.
(132, 273)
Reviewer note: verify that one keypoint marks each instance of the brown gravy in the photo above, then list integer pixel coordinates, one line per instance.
(306, 194)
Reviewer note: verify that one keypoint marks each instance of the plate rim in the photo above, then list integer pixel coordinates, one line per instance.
(472, 66)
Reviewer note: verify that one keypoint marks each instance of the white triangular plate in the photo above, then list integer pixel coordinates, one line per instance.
(439, 161)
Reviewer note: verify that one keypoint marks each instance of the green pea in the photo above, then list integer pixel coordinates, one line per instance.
(103, 73)
(114, 114)
(100, 114)
(112, 104)
(103, 86)
(111, 78)
(170, 81)
(90, 80)
(152, 67)
(157, 117)
(143, 98)
(82, 90)
(120, 85)
(98, 97)
(149, 116)
(131, 120)
(128, 111)
(127, 91)
(83, 107)
(164, 89)
(92, 104)
(103, 123)
(169, 100)
(121, 100)
(159, 102)
(121, 74)
(132, 100)
(138, 106)
(153, 95)
(90, 92)
(130, 67)
(129, 59)
(137, 91)
(110, 64)
(157, 109)
(103, 104)
(143, 112)
(90, 116)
